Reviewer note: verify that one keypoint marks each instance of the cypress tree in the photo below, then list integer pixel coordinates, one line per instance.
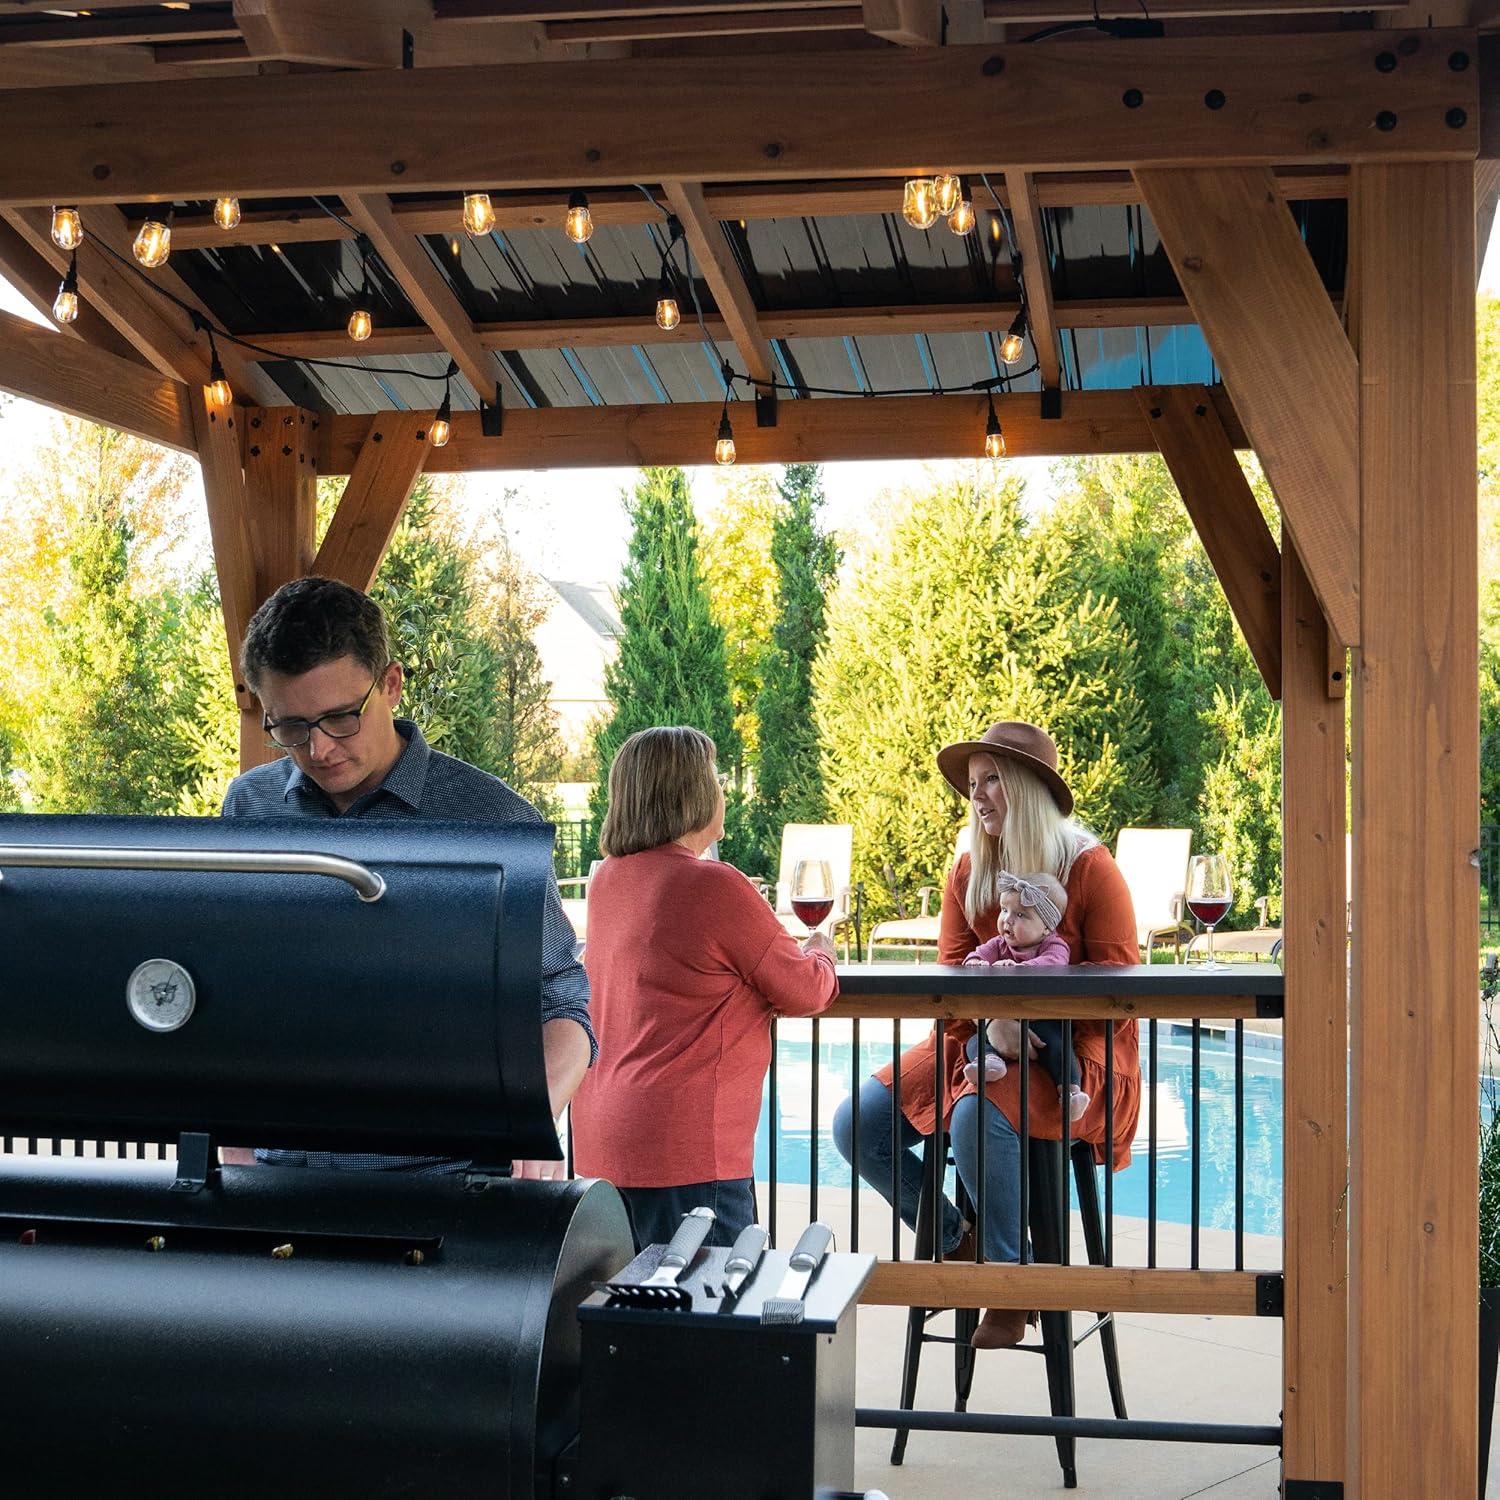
(789, 788)
(671, 665)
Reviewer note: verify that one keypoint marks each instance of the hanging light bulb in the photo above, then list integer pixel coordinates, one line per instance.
(67, 228)
(961, 216)
(919, 203)
(1013, 345)
(994, 439)
(219, 391)
(65, 309)
(668, 314)
(579, 222)
(153, 243)
(479, 215)
(442, 424)
(724, 448)
(227, 212)
(361, 322)
(947, 190)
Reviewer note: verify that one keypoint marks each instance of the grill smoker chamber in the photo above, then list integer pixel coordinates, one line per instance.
(279, 1330)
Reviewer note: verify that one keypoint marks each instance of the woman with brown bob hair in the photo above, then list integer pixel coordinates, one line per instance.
(686, 964)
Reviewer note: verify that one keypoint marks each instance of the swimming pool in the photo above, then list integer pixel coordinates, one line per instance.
(1263, 1122)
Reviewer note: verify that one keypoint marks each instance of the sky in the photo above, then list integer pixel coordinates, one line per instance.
(570, 524)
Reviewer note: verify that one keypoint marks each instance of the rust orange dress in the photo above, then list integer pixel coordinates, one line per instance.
(1099, 928)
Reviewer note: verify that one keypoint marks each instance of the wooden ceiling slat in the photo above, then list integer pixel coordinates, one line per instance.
(783, 19)
(1305, 99)
(1029, 11)
(92, 31)
(514, 11)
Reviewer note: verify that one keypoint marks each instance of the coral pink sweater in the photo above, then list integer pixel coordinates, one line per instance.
(686, 964)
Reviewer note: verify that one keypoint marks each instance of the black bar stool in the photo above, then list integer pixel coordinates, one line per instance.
(1058, 1342)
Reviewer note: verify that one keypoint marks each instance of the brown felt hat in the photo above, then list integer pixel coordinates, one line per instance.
(1012, 739)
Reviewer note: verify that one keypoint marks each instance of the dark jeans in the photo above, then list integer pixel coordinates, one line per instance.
(1054, 1057)
(655, 1213)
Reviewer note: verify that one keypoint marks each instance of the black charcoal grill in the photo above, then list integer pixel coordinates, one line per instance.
(173, 1329)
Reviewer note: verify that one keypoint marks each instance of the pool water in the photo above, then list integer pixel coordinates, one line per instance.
(1263, 1123)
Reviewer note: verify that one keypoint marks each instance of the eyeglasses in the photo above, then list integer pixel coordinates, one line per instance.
(289, 734)
(723, 778)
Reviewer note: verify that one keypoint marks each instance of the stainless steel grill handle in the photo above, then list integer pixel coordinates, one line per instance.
(369, 885)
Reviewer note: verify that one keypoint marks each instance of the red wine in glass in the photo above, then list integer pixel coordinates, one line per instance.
(1210, 913)
(811, 910)
(1209, 895)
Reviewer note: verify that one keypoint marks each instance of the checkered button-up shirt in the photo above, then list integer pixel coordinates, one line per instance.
(424, 783)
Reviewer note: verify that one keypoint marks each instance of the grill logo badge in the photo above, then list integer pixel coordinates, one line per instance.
(160, 994)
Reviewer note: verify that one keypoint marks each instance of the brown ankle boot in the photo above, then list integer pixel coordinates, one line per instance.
(1000, 1328)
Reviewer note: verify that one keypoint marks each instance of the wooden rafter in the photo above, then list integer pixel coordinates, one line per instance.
(1224, 513)
(909, 23)
(1036, 273)
(1298, 99)
(716, 265)
(1029, 11)
(392, 456)
(822, 431)
(426, 289)
(780, 20)
(71, 376)
(164, 26)
(332, 33)
(1286, 360)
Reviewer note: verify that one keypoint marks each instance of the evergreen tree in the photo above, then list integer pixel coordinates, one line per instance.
(789, 788)
(962, 616)
(1241, 804)
(671, 667)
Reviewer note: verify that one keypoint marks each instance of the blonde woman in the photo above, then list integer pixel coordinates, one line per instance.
(1019, 819)
(687, 964)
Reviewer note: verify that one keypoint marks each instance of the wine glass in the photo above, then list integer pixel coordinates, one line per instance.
(812, 891)
(1209, 892)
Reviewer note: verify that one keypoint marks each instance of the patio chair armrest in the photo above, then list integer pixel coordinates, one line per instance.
(925, 894)
(581, 881)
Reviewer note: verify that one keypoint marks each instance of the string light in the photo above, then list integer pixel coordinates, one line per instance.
(724, 448)
(65, 309)
(919, 202)
(479, 215)
(961, 218)
(994, 439)
(153, 242)
(67, 228)
(227, 212)
(1013, 345)
(219, 390)
(361, 319)
(668, 313)
(579, 222)
(947, 190)
(442, 424)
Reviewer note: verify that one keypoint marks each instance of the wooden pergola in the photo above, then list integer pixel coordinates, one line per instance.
(1360, 404)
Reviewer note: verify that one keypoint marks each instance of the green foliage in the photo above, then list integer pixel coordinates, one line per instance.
(1489, 1140)
(671, 667)
(1241, 805)
(789, 786)
(961, 615)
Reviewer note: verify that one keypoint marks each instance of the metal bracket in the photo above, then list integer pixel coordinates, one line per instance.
(765, 407)
(492, 418)
(408, 50)
(1270, 1007)
(1270, 1295)
(1051, 405)
(197, 1162)
(1312, 1489)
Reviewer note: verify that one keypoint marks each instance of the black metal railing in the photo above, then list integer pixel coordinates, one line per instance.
(571, 849)
(1489, 882)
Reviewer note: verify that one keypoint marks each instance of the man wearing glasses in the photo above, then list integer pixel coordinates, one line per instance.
(318, 656)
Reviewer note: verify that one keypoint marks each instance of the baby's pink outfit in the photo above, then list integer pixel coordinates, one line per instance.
(1051, 950)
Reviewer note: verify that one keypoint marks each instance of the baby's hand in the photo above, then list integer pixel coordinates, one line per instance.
(1003, 963)
(973, 961)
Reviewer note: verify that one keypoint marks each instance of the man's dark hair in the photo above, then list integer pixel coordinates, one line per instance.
(310, 621)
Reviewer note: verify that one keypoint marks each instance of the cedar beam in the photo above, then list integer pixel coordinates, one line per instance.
(1287, 363)
(1224, 513)
(1305, 99)
(1030, 12)
(426, 289)
(1413, 1272)
(733, 23)
(731, 296)
(74, 377)
(908, 23)
(1316, 1055)
(165, 26)
(819, 431)
(328, 33)
(1036, 273)
(370, 509)
(281, 468)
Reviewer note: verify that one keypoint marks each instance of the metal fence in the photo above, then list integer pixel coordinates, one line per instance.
(573, 848)
(1489, 882)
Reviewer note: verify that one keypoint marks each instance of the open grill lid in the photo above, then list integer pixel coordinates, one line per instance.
(383, 998)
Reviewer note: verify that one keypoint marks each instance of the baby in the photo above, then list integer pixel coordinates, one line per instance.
(1031, 907)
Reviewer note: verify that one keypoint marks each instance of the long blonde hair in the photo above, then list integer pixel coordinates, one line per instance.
(1036, 836)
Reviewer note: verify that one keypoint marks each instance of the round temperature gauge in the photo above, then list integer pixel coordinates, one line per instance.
(160, 994)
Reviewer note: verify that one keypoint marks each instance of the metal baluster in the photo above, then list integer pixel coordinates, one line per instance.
(568, 1147)
(1024, 1064)
(771, 1109)
(939, 1151)
(1197, 1143)
(1239, 1145)
(812, 1166)
(896, 1139)
(1151, 1147)
(980, 1133)
(1109, 1143)
(1064, 1177)
(854, 1145)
